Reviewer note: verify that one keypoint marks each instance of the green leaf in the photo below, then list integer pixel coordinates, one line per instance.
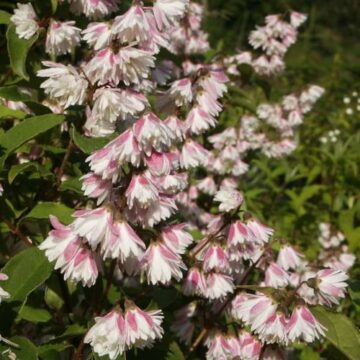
(45, 209)
(34, 315)
(73, 184)
(86, 144)
(6, 113)
(73, 330)
(54, 5)
(25, 131)
(27, 270)
(15, 170)
(13, 93)
(175, 352)
(26, 350)
(341, 332)
(4, 17)
(18, 50)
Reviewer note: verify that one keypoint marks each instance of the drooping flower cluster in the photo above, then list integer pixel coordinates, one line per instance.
(115, 332)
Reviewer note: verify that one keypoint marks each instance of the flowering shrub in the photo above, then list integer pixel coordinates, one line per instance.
(127, 147)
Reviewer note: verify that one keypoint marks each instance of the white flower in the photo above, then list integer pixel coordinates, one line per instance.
(93, 9)
(3, 294)
(168, 11)
(229, 199)
(331, 285)
(62, 37)
(65, 84)
(98, 35)
(108, 335)
(25, 20)
(160, 264)
(131, 26)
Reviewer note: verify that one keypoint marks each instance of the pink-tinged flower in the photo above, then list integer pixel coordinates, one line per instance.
(159, 164)
(218, 285)
(261, 233)
(218, 347)
(176, 238)
(103, 164)
(289, 258)
(276, 277)
(160, 264)
(62, 37)
(181, 91)
(253, 310)
(167, 12)
(215, 258)
(122, 242)
(108, 335)
(239, 168)
(1, 190)
(129, 64)
(331, 285)
(304, 326)
(209, 103)
(199, 120)
(111, 104)
(239, 234)
(173, 183)
(141, 192)
(194, 283)
(152, 133)
(229, 199)
(98, 35)
(142, 327)
(297, 19)
(160, 210)
(274, 330)
(250, 347)
(95, 187)
(193, 155)
(176, 126)
(92, 225)
(183, 326)
(207, 186)
(3, 294)
(93, 9)
(75, 262)
(64, 85)
(25, 20)
(227, 137)
(131, 26)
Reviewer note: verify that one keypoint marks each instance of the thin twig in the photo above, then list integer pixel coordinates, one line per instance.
(16, 231)
(63, 164)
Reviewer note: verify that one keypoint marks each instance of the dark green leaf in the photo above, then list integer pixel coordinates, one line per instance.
(18, 50)
(13, 93)
(175, 352)
(341, 332)
(73, 184)
(34, 315)
(45, 209)
(25, 131)
(27, 270)
(15, 170)
(26, 350)
(4, 17)
(86, 144)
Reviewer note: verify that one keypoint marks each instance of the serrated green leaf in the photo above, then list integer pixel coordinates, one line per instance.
(25, 131)
(34, 315)
(45, 209)
(341, 332)
(27, 270)
(4, 17)
(18, 50)
(6, 113)
(86, 144)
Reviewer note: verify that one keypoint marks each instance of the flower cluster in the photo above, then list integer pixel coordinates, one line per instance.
(155, 112)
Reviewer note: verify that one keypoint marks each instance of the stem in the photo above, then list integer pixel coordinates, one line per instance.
(63, 164)
(79, 350)
(17, 232)
(198, 340)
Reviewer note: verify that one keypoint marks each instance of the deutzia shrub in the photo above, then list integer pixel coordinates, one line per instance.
(127, 231)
